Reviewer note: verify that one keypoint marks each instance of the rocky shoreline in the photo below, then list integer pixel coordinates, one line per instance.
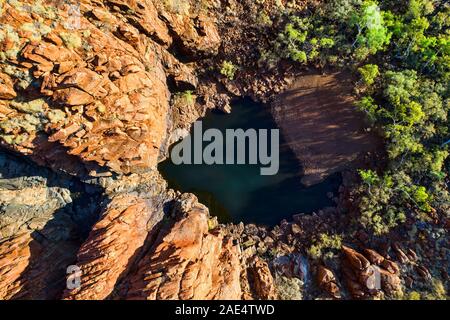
(87, 112)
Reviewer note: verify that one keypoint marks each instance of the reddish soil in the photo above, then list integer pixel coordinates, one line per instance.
(320, 122)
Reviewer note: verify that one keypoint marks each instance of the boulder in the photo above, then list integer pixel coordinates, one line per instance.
(357, 260)
(367, 277)
(263, 280)
(6, 87)
(327, 282)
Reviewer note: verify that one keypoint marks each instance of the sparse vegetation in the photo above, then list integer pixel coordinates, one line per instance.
(289, 288)
(228, 69)
(401, 52)
(33, 106)
(438, 291)
(24, 77)
(36, 29)
(9, 34)
(188, 97)
(45, 11)
(413, 295)
(324, 242)
(185, 98)
(56, 115)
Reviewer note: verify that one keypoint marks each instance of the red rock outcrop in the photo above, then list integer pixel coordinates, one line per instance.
(263, 280)
(33, 268)
(112, 246)
(95, 76)
(188, 261)
(84, 88)
(92, 87)
(14, 256)
(327, 282)
(6, 87)
(200, 37)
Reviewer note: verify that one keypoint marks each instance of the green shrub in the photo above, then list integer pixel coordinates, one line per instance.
(369, 73)
(323, 242)
(438, 291)
(228, 69)
(302, 42)
(413, 295)
(185, 98)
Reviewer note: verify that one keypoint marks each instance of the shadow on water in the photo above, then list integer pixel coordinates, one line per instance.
(237, 193)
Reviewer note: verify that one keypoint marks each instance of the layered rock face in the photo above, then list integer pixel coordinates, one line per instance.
(263, 280)
(34, 268)
(43, 219)
(188, 261)
(150, 243)
(327, 282)
(119, 234)
(130, 253)
(87, 82)
(134, 240)
(138, 249)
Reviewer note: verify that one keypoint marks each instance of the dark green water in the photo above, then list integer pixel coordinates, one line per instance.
(238, 192)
